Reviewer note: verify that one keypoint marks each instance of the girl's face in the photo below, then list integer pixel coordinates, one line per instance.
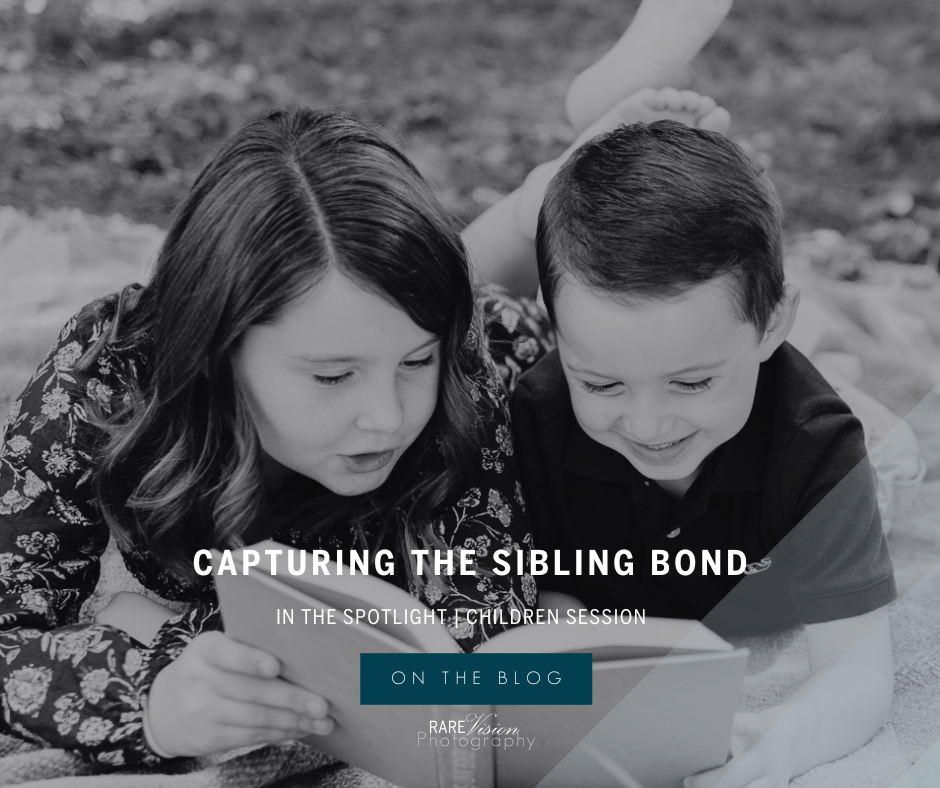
(339, 387)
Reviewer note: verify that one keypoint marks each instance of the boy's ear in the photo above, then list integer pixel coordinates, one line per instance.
(780, 322)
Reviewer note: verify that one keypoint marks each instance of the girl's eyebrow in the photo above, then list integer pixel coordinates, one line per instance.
(357, 359)
(329, 359)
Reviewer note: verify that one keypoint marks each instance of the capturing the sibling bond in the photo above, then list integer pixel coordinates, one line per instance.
(308, 364)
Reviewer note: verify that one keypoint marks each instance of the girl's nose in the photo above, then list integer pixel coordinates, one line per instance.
(382, 411)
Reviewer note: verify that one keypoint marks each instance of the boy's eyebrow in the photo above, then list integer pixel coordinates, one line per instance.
(683, 371)
(585, 371)
(354, 359)
(697, 368)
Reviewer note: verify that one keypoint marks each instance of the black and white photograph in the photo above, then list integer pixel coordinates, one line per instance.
(470, 393)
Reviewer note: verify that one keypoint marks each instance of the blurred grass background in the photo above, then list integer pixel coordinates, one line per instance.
(109, 105)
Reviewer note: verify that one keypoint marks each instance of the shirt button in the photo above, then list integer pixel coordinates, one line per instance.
(647, 484)
(673, 534)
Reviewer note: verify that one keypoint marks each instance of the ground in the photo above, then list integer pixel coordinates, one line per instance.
(840, 97)
(109, 106)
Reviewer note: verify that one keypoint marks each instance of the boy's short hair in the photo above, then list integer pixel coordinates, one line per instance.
(647, 212)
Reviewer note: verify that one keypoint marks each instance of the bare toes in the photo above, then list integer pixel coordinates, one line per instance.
(717, 120)
(691, 101)
(672, 99)
(652, 97)
(707, 105)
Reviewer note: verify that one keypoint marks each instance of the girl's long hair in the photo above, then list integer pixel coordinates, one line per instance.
(282, 202)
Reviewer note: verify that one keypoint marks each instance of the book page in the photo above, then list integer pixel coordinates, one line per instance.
(655, 637)
(364, 592)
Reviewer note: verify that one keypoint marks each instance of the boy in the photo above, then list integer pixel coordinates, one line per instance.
(674, 416)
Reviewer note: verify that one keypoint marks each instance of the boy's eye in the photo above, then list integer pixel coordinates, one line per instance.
(593, 388)
(697, 385)
(332, 380)
(420, 363)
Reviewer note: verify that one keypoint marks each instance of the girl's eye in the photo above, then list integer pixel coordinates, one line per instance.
(698, 385)
(420, 363)
(593, 388)
(326, 380)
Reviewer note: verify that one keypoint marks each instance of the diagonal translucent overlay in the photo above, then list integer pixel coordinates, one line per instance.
(911, 734)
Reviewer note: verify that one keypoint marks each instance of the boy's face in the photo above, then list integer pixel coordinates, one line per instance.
(664, 383)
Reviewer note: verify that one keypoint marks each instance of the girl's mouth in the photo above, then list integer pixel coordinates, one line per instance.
(369, 462)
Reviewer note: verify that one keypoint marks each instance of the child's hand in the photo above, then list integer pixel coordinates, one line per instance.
(220, 694)
(839, 708)
(760, 757)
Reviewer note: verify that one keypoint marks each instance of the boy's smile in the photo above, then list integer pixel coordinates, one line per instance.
(662, 382)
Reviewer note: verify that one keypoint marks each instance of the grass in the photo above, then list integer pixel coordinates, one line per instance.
(839, 98)
(842, 97)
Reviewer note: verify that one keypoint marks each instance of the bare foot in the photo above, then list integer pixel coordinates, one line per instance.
(645, 106)
(648, 105)
(662, 38)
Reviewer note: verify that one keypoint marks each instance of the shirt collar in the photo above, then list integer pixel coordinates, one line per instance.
(586, 457)
(740, 464)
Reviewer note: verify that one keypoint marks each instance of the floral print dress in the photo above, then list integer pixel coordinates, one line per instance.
(84, 687)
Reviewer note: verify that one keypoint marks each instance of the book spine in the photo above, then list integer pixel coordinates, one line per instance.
(462, 766)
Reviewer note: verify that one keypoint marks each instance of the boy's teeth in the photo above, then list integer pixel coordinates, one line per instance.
(661, 445)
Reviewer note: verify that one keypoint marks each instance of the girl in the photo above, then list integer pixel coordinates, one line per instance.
(304, 365)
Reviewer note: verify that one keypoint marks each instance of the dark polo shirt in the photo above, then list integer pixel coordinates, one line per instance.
(793, 490)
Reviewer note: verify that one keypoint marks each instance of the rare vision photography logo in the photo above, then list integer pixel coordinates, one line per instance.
(473, 732)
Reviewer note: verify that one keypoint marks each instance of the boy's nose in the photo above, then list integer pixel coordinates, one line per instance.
(644, 422)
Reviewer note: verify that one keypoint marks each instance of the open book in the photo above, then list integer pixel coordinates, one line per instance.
(664, 692)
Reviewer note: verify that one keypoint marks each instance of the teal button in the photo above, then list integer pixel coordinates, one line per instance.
(520, 679)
